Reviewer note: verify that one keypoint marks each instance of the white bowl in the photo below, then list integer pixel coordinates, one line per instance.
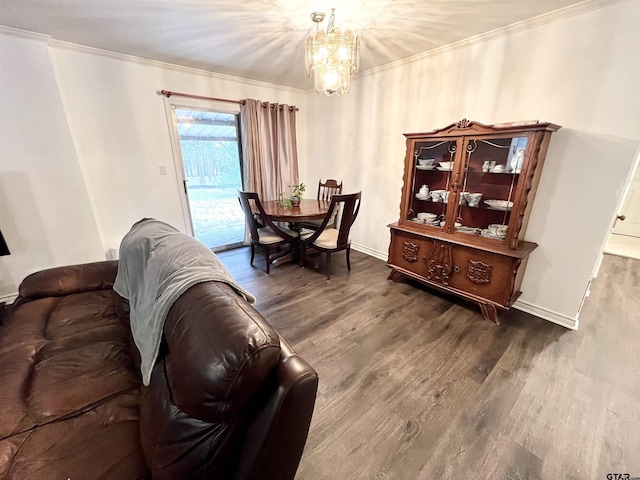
(498, 229)
(426, 162)
(426, 216)
(447, 165)
(487, 233)
(499, 204)
(473, 196)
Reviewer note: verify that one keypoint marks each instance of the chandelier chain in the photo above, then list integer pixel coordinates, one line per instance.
(332, 20)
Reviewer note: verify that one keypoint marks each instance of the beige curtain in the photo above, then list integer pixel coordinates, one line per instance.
(269, 148)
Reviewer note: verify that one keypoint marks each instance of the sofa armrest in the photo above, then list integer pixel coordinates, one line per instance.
(277, 433)
(60, 281)
(219, 352)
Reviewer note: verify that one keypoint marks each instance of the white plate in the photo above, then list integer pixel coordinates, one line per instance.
(442, 169)
(420, 197)
(499, 204)
(421, 167)
(486, 233)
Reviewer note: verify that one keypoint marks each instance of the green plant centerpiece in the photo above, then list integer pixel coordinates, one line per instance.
(296, 194)
(294, 199)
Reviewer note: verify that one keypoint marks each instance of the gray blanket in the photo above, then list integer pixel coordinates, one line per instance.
(158, 264)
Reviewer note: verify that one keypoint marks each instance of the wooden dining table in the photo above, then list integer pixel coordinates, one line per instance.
(307, 210)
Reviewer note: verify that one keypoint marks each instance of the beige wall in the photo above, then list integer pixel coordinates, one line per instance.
(121, 132)
(580, 72)
(45, 214)
(84, 132)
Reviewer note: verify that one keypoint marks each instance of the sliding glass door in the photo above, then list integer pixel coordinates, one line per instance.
(210, 150)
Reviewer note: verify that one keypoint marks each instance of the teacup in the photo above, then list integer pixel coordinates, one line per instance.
(473, 199)
(446, 165)
(426, 162)
(438, 195)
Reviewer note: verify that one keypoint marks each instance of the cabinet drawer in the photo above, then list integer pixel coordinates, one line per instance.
(470, 272)
(410, 252)
(484, 274)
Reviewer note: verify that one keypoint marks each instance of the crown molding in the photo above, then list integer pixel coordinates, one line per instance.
(141, 60)
(524, 25)
(166, 65)
(16, 32)
(531, 23)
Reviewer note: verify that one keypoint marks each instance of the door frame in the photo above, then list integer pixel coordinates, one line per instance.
(635, 172)
(170, 105)
(627, 184)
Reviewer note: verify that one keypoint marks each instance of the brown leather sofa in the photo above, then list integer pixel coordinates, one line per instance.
(228, 398)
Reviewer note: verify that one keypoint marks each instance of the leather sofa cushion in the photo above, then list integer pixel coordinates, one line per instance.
(61, 356)
(108, 435)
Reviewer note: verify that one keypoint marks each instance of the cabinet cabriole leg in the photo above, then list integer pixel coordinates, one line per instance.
(394, 275)
(489, 312)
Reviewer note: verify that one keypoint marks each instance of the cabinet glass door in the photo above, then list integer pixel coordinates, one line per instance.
(433, 163)
(492, 170)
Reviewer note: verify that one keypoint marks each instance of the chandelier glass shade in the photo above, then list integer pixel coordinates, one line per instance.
(331, 57)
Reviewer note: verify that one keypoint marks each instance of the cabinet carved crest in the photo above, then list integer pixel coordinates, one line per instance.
(410, 251)
(479, 272)
(440, 264)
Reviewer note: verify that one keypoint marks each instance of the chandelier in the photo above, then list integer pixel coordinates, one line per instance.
(332, 56)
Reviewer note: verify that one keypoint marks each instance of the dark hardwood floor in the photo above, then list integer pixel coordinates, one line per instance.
(416, 385)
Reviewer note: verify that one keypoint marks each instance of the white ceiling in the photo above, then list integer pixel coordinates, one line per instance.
(263, 39)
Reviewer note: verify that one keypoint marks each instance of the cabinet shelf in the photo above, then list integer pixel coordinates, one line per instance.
(480, 206)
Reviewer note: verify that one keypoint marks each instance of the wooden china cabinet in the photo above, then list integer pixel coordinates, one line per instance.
(468, 191)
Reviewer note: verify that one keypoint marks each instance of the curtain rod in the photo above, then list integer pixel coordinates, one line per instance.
(168, 94)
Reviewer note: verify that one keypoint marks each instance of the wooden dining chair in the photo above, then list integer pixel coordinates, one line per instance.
(266, 234)
(331, 239)
(326, 190)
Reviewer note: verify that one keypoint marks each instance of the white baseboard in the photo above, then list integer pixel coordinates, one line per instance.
(623, 246)
(8, 298)
(369, 251)
(544, 313)
(549, 315)
(112, 253)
